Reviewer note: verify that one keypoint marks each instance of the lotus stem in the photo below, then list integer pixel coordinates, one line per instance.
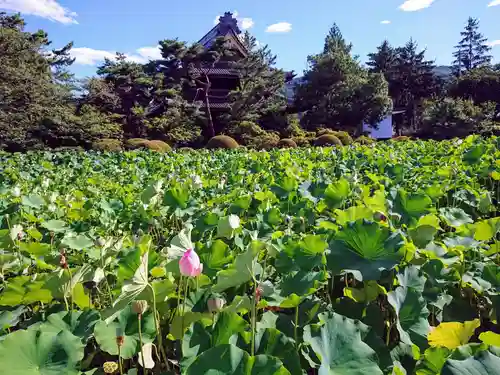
(158, 330)
(144, 370)
(296, 324)
(186, 291)
(253, 318)
(120, 365)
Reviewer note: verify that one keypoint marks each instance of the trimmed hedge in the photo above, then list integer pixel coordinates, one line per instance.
(222, 141)
(154, 145)
(401, 138)
(107, 144)
(135, 143)
(364, 140)
(327, 140)
(160, 146)
(287, 142)
(344, 137)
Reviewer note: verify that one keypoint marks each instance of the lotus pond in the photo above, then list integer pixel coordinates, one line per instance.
(372, 260)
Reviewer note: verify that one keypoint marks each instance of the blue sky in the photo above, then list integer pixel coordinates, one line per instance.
(293, 28)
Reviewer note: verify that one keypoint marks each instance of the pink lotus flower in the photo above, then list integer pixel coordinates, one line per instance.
(190, 264)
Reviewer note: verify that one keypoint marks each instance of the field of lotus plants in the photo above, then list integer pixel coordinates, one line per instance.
(376, 259)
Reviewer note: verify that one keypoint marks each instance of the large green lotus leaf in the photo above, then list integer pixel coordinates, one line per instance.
(365, 248)
(231, 360)
(34, 352)
(305, 254)
(244, 267)
(433, 361)
(353, 214)
(455, 217)
(10, 318)
(272, 342)
(189, 318)
(337, 342)
(79, 323)
(25, 290)
(132, 289)
(483, 363)
(411, 206)
(128, 325)
(412, 315)
(411, 278)
(196, 340)
(199, 338)
(336, 193)
(55, 226)
(33, 201)
(77, 242)
(227, 225)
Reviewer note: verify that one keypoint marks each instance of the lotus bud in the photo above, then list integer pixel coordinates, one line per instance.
(215, 304)
(110, 367)
(139, 307)
(100, 242)
(258, 293)
(63, 262)
(120, 339)
(380, 216)
(395, 217)
(189, 264)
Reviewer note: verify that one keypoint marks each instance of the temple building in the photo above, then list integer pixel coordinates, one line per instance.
(222, 78)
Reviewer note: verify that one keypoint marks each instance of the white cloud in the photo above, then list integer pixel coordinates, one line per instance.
(244, 23)
(385, 22)
(280, 27)
(493, 43)
(150, 53)
(90, 56)
(414, 5)
(494, 3)
(49, 9)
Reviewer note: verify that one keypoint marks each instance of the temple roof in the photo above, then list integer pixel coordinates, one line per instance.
(227, 28)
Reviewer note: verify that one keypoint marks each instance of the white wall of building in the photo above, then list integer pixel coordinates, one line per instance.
(384, 130)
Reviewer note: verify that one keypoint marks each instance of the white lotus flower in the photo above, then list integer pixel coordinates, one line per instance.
(197, 182)
(16, 232)
(148, 362)
(45, 183)
(16, 192)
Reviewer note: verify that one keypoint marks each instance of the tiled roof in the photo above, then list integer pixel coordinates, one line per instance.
(216, 71)
(217, 105)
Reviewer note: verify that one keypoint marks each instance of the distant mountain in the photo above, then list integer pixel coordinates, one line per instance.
(443, 71)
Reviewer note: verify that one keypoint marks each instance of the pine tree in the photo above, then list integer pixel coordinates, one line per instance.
(383, 60)
(338, 92)
(412, 79)
(472, 50)
(335, 41)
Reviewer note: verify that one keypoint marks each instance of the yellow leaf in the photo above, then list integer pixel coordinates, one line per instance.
(158, 272)
(490, 338)
(451, 335)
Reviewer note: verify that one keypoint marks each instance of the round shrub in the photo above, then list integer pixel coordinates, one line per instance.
(400, 138)
(107, 144)
(222, 141)
(287, 142)
(324, 131)
(135, 143)
(344, 137)
(160, 146)
(364, 140)
(327, 140)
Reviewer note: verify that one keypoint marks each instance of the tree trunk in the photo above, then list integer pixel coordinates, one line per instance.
(211, 129)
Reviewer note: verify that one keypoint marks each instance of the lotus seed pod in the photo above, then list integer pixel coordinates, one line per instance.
(215, 304)
(110, 367)
(139, 307)
(379, 216)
